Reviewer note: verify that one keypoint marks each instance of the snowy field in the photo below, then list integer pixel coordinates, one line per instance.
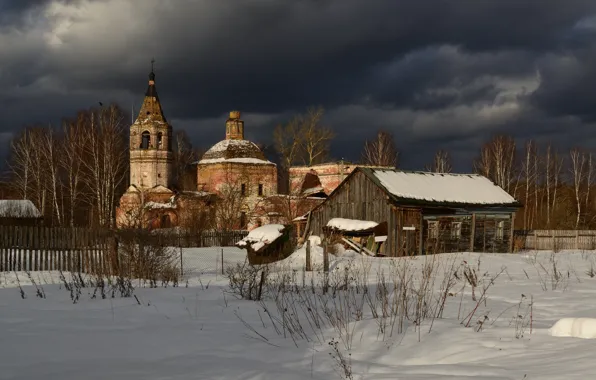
(379, 319)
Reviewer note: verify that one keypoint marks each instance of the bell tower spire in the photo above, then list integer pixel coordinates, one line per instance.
(150, 142)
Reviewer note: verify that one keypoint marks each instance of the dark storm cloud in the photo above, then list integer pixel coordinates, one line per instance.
(434, 72)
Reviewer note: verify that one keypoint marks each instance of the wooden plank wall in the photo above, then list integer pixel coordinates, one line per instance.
(556, 240)
(357, 199)
(36, 248)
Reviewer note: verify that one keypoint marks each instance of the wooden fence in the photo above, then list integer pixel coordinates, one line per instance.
(197, 239)
(36, 248)
(555, 240)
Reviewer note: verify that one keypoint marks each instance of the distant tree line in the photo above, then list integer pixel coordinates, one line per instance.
(76, 173)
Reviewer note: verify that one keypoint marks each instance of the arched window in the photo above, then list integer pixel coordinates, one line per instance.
(145, 140)
(159, 140)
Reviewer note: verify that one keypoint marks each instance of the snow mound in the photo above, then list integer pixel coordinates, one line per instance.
(351, 224)
(584, 328)
(314, 240)
(261, 236)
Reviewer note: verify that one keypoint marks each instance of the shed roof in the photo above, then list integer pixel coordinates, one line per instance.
(440, 188)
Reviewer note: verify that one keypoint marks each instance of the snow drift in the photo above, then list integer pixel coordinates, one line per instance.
(584, 328)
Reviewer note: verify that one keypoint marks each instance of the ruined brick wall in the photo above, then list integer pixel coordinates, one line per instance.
(133, 211)
(253, 183)
(211, 177)
(330, 174)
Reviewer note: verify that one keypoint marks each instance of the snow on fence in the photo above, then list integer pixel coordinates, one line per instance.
(36, 248)
(555, 240)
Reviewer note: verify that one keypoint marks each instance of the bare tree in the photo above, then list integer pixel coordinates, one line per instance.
(381, 151)
(107, 163)
(497, 158)
(578, 168)
(315, 137)
(441, 163)
(71, 162)
(51, 151)
(20, 163)
(553, 164)
(183, 156)
(288, 141)
(530, 171)
(238, 204)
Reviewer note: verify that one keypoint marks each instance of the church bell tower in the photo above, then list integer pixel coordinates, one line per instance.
(151, 143)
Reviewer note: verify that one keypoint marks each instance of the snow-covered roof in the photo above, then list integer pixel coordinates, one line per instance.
(261, 236)
(156, 205)
(160, 189)
(18, 208)
(442, 187)
(255, 161)
(235, 151)
(351, 224)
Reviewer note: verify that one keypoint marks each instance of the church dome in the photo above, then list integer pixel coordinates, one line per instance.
(236, 151)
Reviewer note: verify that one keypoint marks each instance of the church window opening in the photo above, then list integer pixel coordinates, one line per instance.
(243, 189)
(159, 140)
(145, 139)
(260, 189)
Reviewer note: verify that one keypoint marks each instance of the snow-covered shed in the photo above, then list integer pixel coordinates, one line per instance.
(424, 212)
(19, 212)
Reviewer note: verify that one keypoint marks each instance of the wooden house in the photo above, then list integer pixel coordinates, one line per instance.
(425, 212)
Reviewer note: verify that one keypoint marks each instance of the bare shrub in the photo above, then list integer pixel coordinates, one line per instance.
(151, 262)
(550, 275)
(247, 281)
(522, 321)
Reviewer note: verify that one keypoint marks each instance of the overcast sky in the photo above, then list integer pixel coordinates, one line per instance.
(438, 74)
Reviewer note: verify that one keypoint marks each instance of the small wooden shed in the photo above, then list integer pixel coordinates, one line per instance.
(19, 212)
(267, 244)
(425, 212)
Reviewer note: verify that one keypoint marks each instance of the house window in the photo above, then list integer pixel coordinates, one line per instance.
(145, 140)
(260, 189)
(500, 234)
(433, 229)
(242, 220)
(455, 230)
(243, 189)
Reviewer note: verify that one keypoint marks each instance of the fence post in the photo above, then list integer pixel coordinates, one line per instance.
(325, 258)
(181, 261)
(222, 264)
(576, 239)
(308, 261)
(554, 243)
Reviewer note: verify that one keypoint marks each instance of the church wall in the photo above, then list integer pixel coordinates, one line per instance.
(149, 168)
(212, 177)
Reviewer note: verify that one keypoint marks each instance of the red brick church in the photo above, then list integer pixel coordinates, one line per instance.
(236, 184)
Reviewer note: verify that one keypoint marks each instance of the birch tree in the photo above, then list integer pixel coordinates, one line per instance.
(441, 162)
(578, 169)
(381, 151)
(50, 152)
(497, 162)
(72, 163)
(316, 138)
(20, 163)
(107, 164)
